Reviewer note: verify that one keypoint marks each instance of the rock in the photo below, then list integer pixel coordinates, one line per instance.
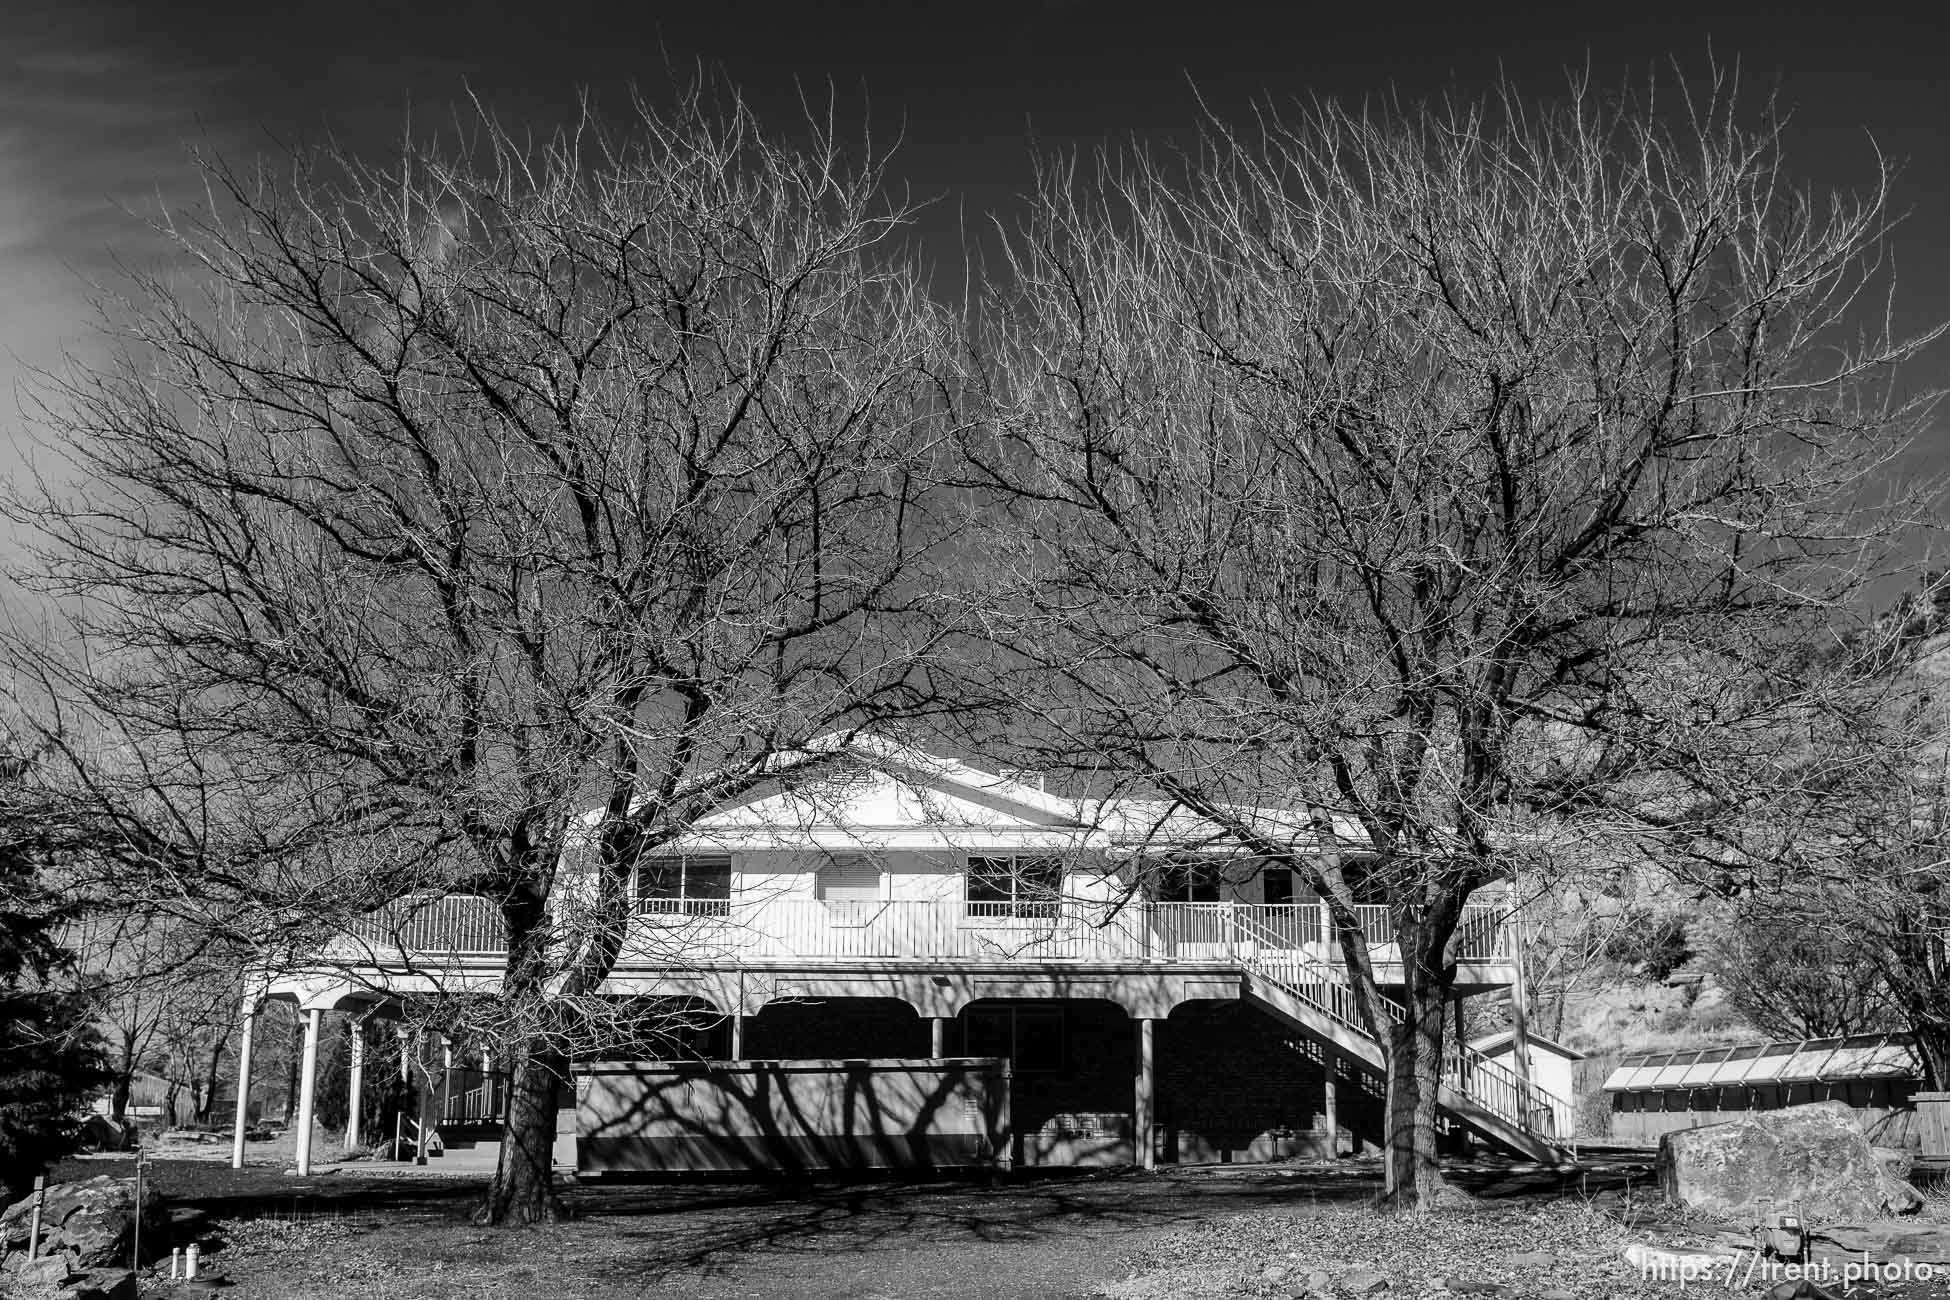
(1320, 1282)
(1363, 1282)
(1812, 1160)
(1557, 1295)
(100, 1133)
(32, 1276)
(92, 1220)
(1798, 1289)
(1272, 1272)
(1894, 1161)
(1678, 1265)
(104, 1284)
(1532, 1259)
(1881, 1241)
(1468, 1286)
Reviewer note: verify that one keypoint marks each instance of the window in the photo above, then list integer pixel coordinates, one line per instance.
(850, 889)
(1188, 880)
(848, 880)
(1013, 886)
(690, 886)
(1277, 883)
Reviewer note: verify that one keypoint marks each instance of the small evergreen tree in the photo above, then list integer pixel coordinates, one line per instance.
(50, 1053)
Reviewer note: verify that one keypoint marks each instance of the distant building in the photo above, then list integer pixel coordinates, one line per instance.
(1874, 1074)
(1553, 1068)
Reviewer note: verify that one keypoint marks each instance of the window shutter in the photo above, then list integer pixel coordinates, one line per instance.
(848, 880)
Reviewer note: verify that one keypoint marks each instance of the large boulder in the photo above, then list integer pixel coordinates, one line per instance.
(91, 1222)
(1807, 1160)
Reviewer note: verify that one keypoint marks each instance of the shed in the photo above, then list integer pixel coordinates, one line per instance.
(1552, 1070)
(1875, 1075)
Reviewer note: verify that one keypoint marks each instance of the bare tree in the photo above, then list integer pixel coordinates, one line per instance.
(1796, 972)
(440, 503)
(1461, 474)
(1854, 931)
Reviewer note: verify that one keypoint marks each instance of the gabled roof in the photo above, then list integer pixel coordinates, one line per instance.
(865, 790)
(1783, 1061)
(1492, 1044)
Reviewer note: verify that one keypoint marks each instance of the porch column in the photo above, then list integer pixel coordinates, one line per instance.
(1147, 1081)
(308, 1088)
(1519, 1006)
(938, 1037)
(423, 1099)
(487, 1086)
(738, 1036)
(355, 1086)
(243, 1082)
(1330, 1113)
(446, 1077)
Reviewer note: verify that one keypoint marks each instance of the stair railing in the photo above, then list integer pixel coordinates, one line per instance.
(1324, 986)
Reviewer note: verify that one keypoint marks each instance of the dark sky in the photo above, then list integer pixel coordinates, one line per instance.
(97, 98)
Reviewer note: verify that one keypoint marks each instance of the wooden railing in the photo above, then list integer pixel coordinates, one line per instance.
(796, 928)
(1323, 985)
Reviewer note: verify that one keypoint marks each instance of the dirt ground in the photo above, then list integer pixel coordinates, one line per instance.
(379, 1233)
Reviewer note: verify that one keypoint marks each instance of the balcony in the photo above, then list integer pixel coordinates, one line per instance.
(740, 931)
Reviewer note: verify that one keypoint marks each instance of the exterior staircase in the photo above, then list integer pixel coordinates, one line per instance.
(1484, 1095)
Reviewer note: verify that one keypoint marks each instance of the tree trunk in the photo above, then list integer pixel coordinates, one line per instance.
(1412, 1174)
(291, 1073)
(1932, 1039)
(207, 1101)
(1412, 1171)
(118, 1096)
(523, 1190)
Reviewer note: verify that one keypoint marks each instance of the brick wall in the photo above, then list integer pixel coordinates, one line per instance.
(1230, 1079)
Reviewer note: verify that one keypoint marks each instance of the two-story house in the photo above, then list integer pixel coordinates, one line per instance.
(1156, 994)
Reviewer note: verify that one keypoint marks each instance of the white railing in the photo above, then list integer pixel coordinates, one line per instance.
(1323, 985)
(703, 931)
(458, 925)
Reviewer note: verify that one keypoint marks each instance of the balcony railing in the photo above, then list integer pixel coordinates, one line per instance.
(1072, 931)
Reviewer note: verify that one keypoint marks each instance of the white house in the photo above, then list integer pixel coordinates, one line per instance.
(1157, 994)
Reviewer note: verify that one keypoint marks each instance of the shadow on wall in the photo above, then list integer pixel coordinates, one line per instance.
(792, 1116)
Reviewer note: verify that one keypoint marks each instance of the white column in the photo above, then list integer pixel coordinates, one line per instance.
(307, 1088)
(355, 1085)
(1147, 1080)
(487, 1086)
(243, 1083)
(1330, 1104)
(737, 1036)
(446, 1078)
(1519, 1008)
(938, 1038)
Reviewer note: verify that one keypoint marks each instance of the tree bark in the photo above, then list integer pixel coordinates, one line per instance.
(1412, 1170)
(207, 1101)
(523, 1190)
(1933, 1049)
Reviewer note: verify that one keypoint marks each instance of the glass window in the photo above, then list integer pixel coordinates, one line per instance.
(1278, 886)
(691, 885)
(1014, 886)
(1188, 880)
